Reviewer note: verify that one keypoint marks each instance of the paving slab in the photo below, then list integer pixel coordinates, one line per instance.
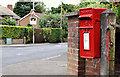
(38, 67)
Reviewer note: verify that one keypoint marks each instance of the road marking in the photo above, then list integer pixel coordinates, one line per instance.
(19, 54)
(51, 57)
(58, 45)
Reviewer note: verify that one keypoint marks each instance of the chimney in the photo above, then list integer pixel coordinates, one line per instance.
(10, 7)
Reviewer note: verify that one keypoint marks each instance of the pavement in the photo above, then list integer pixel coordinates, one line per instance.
(54, 65)
(37, 67)
(23, 45)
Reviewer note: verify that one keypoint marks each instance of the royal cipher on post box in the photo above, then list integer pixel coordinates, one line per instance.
(89, 28)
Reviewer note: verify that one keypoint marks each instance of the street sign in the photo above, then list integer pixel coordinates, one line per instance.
(33, 20)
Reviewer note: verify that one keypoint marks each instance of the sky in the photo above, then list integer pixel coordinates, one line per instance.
(48, 3)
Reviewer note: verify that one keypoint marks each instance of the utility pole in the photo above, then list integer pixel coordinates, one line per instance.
(33, 26)
(61, 22)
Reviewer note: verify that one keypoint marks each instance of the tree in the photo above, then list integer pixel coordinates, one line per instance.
(23, 8)
(8, 21)
(53, 21)
(65, 8)
(114, 6)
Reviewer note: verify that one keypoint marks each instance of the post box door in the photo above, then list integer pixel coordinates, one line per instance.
(86, 37)
(86, 42)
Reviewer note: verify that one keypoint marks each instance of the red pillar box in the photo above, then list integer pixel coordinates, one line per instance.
(89, 23)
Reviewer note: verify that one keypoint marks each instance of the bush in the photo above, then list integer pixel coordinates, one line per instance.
(55, 35)
(15, 32)
(53, 21)
(41, 35)
(8, 21)
(46, 34)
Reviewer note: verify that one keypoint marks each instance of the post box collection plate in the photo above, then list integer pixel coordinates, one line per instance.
(86, 41)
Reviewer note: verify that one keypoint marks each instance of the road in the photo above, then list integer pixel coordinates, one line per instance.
(13, 55)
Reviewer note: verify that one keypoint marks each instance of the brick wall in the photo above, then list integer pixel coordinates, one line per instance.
(17, 41)
(2, 41)
(14, 41)
(75, 64)
(93, 66)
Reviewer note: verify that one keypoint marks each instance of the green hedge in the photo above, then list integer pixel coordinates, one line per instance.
(55, 35)
(18, 32)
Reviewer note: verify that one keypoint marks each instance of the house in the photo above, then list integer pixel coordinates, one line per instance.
(25, 21)
(8, 12)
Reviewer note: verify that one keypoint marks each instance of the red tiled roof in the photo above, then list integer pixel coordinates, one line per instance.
(40, 14)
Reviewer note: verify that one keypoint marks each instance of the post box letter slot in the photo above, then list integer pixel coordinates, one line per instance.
(86, 41)
(86, 16)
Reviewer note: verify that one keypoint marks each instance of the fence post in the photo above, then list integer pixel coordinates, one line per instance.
(108, 21)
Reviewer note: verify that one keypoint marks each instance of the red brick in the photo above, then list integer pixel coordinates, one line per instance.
(75, 40)
(72, 19)
(70, 29)
(75, 29)
(2, 41)
(90, 73)
(69, 50)
(69, 34)
(75, 72)
(26, 20)
(81, 67)
(76, 35)
(74, 45)
(75, 62)
(81, 63)
(81, 72)
(69, 60)
(97, 60)
(97, 65)
(75, 51)
(75, 56)
(74, 67)
(17, 41)
(92, 69)
(90, 63)
(69, 39)
(69, 25)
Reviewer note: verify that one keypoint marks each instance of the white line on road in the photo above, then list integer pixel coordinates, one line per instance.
(51, 57)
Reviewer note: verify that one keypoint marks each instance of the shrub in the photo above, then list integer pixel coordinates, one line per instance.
(8, 21)
(41, 35)
(46, 34)
(55, 35)
(53, 21)
(15, 32)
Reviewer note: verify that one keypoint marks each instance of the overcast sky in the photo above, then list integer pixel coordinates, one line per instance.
(48, 3)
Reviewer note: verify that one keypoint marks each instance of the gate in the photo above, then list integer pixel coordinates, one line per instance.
(117, 52)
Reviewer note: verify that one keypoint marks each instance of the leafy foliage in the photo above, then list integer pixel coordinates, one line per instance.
(8, 21)
(55, 35)
(16, 32)
(19, 32)
(114, 6)
(65, 9)
(53, 21)
(46, 34)
(23, 8)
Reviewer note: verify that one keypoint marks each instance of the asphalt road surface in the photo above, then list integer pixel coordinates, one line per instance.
(13, 55)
